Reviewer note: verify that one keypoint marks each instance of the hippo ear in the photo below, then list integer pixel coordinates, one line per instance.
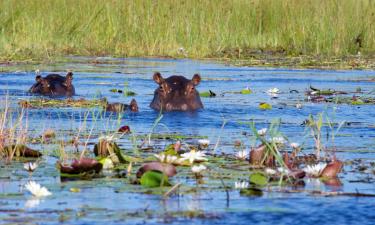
(196, 79)
(69, 74)
(158, 78)
(38, 78)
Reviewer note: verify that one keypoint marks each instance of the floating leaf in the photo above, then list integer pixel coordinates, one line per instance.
(153, 179)
(258, 179)
(246, 91)
(74, 190)
(207, 94)
(251, 192)
(264, 106)
(165, 168)
(129, 93)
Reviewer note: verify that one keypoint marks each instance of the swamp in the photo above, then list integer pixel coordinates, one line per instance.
(276, 128)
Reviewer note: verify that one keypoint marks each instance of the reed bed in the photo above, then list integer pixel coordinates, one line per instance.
(192, 28)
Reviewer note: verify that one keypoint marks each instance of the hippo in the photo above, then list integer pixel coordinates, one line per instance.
(121, 107)
(54, 85)
(176, 93)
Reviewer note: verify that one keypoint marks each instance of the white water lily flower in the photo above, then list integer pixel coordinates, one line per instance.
(241, 185)
(193, 156)
(242, 155)
(278, 140)
(30, 166)
(166, 158)
(299, 106)
(270, 171)
(198, 169)
(203, 143)
(262, 131)
(107, 164)
(273, 91)
(37, 190)
(283, 170)
(315, 170)
(294, 145)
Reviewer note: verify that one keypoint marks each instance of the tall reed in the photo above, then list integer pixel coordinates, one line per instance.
(194, 28)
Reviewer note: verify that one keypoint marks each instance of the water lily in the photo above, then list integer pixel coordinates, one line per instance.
(241, 185)
(203, 143)
(107, 164)
(278, 140)
(166, 158)
(294, 145)
(37, 190)
(262, 131)
(273, 91)
(299, 106)
(315, 170)
(30, 166)
(193, 156)
(283, 170)
(198, 169)
(270, 171)
(242, 155)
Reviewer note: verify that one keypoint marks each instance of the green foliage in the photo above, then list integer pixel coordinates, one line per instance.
(258, 179)
(153, 179)
(38, 28)
(255, 192)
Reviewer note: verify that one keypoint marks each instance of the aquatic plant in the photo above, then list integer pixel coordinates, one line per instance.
(315, 170)
(37, 190)
(30, 166)
(194, 156)
(198, 169)
(242, 154)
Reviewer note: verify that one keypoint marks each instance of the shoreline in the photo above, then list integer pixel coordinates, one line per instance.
(350, 62)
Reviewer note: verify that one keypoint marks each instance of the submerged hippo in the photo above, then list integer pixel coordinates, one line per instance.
(121, 107)
(176, 93)
(54, 85)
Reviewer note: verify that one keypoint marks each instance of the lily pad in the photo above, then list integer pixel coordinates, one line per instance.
(246, 91)
(258, 179)
(251, 192)
(207, 94)
(153, 179)
(265, 106)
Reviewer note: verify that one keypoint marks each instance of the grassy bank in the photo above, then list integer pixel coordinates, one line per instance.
(42, 29)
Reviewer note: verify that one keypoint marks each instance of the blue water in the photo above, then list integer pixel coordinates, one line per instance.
(103, 201)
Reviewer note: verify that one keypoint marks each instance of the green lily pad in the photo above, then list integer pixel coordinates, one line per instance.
(153, 179)
(265, 106)
(251, 192)
(207, 94)
(246, 91)
(258, 179)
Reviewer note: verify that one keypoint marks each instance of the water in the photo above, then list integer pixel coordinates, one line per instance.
(113, 200)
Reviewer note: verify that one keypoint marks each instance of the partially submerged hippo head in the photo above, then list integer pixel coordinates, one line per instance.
(41, 86)
(54, 85)
(176, 93)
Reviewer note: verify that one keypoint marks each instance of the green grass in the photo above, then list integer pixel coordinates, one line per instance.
(43, 29)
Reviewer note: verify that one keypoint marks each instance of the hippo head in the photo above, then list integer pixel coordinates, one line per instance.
(68, 79)
(69, 89)
(176, 93)
(41, 86)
